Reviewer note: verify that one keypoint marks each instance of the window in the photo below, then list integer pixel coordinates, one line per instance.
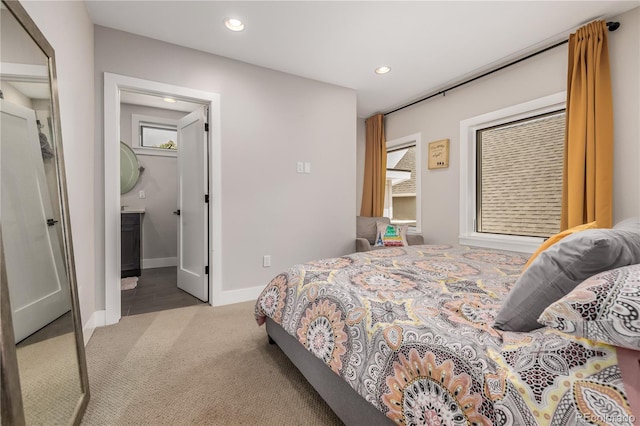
(154, 135)
(402, 190)
(511, 175)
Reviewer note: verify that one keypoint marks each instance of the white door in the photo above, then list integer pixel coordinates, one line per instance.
(38, 285)
(193, 210)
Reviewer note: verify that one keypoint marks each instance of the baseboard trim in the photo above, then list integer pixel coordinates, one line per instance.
(159, 262)
(97, 319)
(230, 297)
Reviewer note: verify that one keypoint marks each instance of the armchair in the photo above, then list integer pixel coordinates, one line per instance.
(366, 229)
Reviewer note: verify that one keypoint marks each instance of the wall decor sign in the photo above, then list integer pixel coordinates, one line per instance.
(439, 154)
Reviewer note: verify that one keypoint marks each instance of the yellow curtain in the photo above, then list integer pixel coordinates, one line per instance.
(375, 168)
(587, 187)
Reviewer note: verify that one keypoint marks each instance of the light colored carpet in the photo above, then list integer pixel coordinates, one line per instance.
(196, 366)
(49, 379)
(128, 283)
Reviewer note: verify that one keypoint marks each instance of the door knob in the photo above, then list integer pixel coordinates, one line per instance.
(51, 222)
(177, 212)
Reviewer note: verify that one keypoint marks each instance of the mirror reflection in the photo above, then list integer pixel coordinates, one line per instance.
(37, 276)
(129, 168)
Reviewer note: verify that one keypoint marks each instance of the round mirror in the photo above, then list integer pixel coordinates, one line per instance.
(129, 168)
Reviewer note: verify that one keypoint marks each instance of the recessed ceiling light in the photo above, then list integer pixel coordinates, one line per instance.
(170, 100)
(234, 24)
(383, 70)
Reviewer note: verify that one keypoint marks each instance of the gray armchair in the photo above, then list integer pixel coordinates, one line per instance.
(366, 230)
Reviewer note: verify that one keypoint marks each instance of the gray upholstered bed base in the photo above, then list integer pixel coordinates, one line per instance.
(343, 400)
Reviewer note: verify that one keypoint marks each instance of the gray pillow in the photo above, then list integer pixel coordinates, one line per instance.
(560, 268)
(631, 224)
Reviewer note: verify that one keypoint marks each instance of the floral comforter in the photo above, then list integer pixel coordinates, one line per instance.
(410, 330)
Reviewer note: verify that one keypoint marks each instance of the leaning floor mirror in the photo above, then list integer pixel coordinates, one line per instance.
(44, 374)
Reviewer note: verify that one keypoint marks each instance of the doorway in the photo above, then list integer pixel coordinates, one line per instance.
(149, 185)
(117, 88)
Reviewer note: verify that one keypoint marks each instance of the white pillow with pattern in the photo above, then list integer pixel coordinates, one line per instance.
(604, 308)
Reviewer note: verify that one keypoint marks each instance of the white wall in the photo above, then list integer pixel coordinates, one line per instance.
(67, 27)
(269, 120)
(159, 181)
(624, 54)
(16, 45)
(14, 96)
(545, 74)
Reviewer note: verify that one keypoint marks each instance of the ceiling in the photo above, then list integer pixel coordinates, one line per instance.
(427, 44)
(153, 101)
(31, 89)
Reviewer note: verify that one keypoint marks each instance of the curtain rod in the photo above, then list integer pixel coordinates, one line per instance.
(611, 26)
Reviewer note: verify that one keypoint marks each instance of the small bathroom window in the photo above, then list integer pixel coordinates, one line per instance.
(154, 135)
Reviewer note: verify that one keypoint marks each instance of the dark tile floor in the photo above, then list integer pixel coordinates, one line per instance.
(157, 290)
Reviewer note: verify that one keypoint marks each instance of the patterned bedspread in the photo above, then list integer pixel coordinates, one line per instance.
(410, 330)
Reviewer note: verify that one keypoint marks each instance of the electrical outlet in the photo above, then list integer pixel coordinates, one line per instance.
(266, 260)
(300, 167)
(307, 167)
(142, 194)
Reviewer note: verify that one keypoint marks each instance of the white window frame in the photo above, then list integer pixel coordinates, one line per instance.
(409, 140)
(137, 120)
(468, 129)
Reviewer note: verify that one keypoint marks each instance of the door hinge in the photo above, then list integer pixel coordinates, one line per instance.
(206, 270)
(206, 127)
(206, 198)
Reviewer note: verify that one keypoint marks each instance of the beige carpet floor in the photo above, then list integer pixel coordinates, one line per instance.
(49, 379)
(196, 366)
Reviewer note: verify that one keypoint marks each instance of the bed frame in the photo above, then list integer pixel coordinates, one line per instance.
(352, 408)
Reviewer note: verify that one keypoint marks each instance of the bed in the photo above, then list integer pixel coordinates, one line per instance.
(405, 335)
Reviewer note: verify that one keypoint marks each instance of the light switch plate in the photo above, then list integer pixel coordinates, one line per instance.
(307, 167)
(266, 260)
(300, 167)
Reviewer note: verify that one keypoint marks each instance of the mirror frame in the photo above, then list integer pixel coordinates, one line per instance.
(12, 407)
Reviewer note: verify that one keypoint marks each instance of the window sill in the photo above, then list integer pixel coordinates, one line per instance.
(501, 242)
(155, 151)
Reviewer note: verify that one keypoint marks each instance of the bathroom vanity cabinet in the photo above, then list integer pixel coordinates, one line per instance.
(131, 241)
